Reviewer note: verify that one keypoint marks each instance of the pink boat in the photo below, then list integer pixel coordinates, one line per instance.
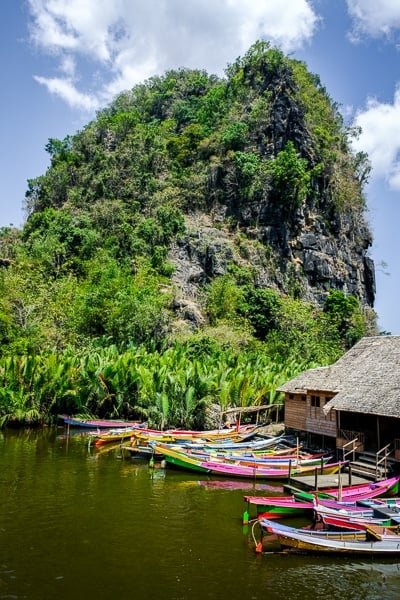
(278, 507)
(365, 491)
(98, 423)
(257, 472)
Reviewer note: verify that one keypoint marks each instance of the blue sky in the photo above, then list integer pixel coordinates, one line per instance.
(61, 60)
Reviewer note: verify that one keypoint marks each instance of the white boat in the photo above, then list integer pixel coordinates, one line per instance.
(372, 540)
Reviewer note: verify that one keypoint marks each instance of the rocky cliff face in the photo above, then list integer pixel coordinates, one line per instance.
(305, 259)
(302, 245)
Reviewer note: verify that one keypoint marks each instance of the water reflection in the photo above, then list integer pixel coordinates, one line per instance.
(77, 524)
(213, 484)
(327, 577)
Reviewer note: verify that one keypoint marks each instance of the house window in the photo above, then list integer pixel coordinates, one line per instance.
(315, 401)
(304, 398)
(291, 396)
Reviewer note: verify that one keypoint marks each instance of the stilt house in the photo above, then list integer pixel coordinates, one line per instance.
(353, 403)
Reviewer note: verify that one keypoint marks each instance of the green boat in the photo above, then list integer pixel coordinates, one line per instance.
(179, 459)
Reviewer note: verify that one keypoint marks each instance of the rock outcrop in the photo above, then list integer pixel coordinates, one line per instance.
(306, 261)
(302, 245)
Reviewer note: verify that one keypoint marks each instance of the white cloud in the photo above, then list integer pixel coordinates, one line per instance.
(83, 26)
(380, 138)
(288, 28)
(67, 66)
(375, 18)
(131, 40)
(66, 90)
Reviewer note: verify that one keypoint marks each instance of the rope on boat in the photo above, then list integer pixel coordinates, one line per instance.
(258, 545)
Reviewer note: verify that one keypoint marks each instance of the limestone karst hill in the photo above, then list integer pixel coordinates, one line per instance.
(189, 200)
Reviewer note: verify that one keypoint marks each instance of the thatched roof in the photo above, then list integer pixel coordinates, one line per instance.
(366, 379)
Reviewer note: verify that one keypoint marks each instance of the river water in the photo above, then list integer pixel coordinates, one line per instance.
(78, 523)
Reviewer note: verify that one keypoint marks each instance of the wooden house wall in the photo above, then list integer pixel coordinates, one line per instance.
(302, 413)
(318, 422)
(295, 411)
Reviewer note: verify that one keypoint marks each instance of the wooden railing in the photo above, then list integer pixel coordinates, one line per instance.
(350, 448)
(354, 444)
(382, 456)
(268, 409)
(350, 435)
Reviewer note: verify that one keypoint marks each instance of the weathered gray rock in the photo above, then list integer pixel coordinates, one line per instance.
(313, 259)
(189, 311)
(313, 245)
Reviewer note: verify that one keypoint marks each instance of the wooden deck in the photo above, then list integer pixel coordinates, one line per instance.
(311, 483)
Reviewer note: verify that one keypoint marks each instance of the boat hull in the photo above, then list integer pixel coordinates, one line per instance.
(186, 464)
(97, 423)
(266, 473)
(185, 460)
(284, 512)
(350, 542)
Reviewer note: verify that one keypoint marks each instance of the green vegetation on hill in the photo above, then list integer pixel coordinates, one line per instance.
(87, 320)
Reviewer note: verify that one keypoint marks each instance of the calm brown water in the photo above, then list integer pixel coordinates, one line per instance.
(79, 524)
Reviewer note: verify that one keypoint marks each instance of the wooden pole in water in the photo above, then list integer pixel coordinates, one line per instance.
(316, 478)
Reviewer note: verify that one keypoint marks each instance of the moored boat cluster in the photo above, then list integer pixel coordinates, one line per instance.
(353, 519)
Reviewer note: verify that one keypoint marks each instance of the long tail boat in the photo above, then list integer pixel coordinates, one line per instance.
(360, 523)
(140, 446)
(173, 435)
(278, 507)
(274, 462)
(269, 473)
(250, 450)
(98, 423)
(371, 540)
(227, 440)
(186, 460)
(112, 436)
(390, 486)
(260, 472)
(167, 437)
(360, 509)
(235, 444)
